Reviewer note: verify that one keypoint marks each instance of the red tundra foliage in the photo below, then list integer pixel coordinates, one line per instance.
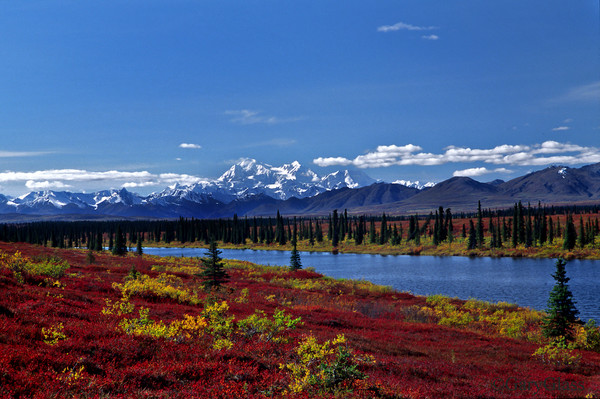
(92, 357)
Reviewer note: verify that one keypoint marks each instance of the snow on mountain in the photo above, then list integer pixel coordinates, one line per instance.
(121, 196)
(245, 179)
(249, 177)
(414, 184)
(562, 172)
(57, 199)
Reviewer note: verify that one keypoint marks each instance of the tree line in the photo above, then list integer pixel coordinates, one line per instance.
(520, 225)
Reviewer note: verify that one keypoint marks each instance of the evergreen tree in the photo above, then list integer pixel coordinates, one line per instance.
(411, 229)
(138, 249)
(448, 226)
(383, 230)
(372, 235)
(334, 228)
(561, 307)
(472, 243)
(213, 273)
(318, 232)
(570, 235)
(581, 238)
(436, 229)
(98, 242)
(515, 230)
(120, 246)
(359, 232)
(295, 263)
(479, 226)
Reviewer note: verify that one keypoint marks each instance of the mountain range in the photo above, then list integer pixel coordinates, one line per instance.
(250, 188)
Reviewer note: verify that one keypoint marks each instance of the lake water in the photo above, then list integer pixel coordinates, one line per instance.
(526, 282)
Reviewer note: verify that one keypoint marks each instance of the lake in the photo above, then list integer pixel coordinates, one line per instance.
(526, 282)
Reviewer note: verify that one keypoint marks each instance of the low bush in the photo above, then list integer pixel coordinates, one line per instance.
(558, 354)
(267, 329)
(163, 286)
(327, 367)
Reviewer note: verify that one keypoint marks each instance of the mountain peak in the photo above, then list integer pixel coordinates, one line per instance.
(414, 184)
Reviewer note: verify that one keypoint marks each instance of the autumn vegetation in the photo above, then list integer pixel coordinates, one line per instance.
(81, 323)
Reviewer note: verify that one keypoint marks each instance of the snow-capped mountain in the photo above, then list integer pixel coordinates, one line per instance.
(249, 178)
(246, 179)
(54, 198)
(251, 188)
(121, 196)
(414, 184)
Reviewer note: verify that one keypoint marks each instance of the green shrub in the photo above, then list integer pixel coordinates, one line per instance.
(558, 353)
(268, 329)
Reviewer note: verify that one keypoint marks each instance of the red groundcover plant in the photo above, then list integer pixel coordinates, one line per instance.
(141, 326)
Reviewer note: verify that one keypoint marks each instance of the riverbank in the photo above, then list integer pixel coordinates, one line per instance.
(456, 248)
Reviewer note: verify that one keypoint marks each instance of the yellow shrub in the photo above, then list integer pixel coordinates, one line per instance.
(243, 298)
(53, 334)
(164, 286)
(71, 374)
(328, 366)
(558, 354)
(118, 308)
(267, 329)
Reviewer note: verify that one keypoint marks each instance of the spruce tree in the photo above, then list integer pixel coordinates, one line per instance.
(213, 273)
(581, 239)
(472, 243)
(334, 229)
(561, 307)
(120, 246)
(383, 231)
(295, 263)
(372, 235)
(318, 232)
(138, 249)
(570, 235)
(479, 226)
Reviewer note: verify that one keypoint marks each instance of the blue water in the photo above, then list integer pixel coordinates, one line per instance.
(526, 282)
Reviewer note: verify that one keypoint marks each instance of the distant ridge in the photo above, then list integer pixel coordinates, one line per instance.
(252, 189)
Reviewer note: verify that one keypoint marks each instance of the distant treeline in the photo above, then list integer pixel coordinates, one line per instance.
(519, 225)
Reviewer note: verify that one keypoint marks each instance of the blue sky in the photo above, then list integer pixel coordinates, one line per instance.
(142, 94)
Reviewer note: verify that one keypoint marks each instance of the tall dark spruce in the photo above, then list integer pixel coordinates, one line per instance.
(213, 273)
(295, 263)
(561, 307)
(120, 246)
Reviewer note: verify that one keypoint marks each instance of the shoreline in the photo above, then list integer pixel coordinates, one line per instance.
(455, 249)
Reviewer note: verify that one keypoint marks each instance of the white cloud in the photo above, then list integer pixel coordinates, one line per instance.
(332, 161)
(137, 184)
(473, 172)
(430, 37)
(403, 26)
(14, 154)
(384, 156)
(45, 185)
(248, 117)
(191, 146)
(585, 93)
(67, 178)
(560, 128)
